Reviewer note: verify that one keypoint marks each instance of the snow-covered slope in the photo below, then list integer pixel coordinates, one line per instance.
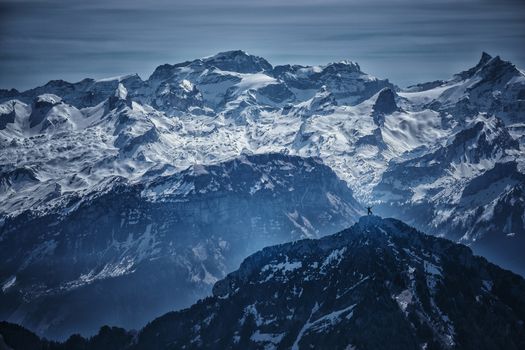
(493, 86)
(454, 191)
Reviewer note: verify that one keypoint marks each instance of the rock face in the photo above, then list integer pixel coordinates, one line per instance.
(378, 284)
(183, 96)
(41, 106)
(7, 114)
(137, 250)
(385, 104)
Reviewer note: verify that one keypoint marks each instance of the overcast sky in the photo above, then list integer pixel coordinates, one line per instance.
(406, 41)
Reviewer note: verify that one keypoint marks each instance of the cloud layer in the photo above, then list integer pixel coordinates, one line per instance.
(405, 40)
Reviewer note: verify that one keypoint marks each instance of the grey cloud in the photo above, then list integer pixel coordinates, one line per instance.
(404, 40)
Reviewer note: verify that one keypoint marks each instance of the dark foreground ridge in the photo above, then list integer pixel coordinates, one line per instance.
(377, 285)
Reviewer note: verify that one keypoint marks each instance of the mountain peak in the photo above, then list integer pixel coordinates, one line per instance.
(366, 220)
(487, 66)
(344, 65)
(120, 98)
(485, 57)
(495, 67)
(341, 288)
(230, 53)
(238, 61)
(47, 99)
(41, 105)
(385, 104)
(121, 92)
(386, 101)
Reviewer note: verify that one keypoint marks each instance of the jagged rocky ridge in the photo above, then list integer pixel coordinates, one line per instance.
(426, 154)
(471, 186)
(379, 284)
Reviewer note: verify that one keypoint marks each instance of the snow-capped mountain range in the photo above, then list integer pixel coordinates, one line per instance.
(446, 156)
